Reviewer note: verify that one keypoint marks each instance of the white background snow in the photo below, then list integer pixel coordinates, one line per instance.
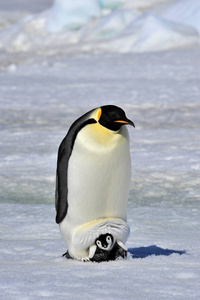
(45, 84)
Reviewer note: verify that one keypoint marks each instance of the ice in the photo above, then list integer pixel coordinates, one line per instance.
(71, 14)
(42, 91)
(111, 4)
(103, 26)
(183, 12)
(145, 5)
(151, 33)
(111, 25)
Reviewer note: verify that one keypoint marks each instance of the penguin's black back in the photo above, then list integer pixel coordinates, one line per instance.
(64, 153)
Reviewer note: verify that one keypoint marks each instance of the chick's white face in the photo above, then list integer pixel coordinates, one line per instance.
(105, 242)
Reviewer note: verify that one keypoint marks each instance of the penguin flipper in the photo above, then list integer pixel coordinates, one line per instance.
(122, 245)
(92, 251)
(64, 153)
(61, 181)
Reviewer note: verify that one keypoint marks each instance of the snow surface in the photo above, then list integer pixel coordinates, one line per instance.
(160, 93)
(40, 96)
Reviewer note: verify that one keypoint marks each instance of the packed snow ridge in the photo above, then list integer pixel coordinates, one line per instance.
(105, 26)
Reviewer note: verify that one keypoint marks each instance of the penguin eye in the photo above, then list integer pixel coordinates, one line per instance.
(108, 239)
(98, 243)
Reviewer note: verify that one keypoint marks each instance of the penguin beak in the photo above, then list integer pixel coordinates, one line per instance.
(129, 122)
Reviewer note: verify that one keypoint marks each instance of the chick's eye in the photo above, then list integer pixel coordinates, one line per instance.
(108, 239)
(98, 243)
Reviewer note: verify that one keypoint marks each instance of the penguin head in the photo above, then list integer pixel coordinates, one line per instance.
(113, 117)
(105, 241)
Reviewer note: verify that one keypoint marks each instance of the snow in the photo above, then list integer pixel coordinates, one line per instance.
(72, 15)
(40, 96)
(183, 12)
(160, 93)
(149, 32)
(103, 26)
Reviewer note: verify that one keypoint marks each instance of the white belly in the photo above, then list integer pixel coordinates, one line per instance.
(99, 173)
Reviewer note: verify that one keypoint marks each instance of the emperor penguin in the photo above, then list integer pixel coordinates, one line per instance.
(93, 180)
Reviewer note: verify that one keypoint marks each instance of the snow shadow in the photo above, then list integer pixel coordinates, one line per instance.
(143, 252)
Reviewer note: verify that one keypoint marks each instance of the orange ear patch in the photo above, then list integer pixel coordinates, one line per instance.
(99, 114)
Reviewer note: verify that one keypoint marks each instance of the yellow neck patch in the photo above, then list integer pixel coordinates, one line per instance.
(96, 114)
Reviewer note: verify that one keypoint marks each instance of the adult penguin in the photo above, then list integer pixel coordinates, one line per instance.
(93, 180)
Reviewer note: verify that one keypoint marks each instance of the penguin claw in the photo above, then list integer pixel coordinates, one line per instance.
(85, 259)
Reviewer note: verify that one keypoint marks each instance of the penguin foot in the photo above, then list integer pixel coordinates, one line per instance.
(66, 254)
(85, 259)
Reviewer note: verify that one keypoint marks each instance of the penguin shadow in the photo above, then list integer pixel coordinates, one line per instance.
(143, 252)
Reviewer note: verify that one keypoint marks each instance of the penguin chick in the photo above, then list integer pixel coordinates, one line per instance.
(106, 249)
(105, 242)
(93, 179)
(102, 247)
